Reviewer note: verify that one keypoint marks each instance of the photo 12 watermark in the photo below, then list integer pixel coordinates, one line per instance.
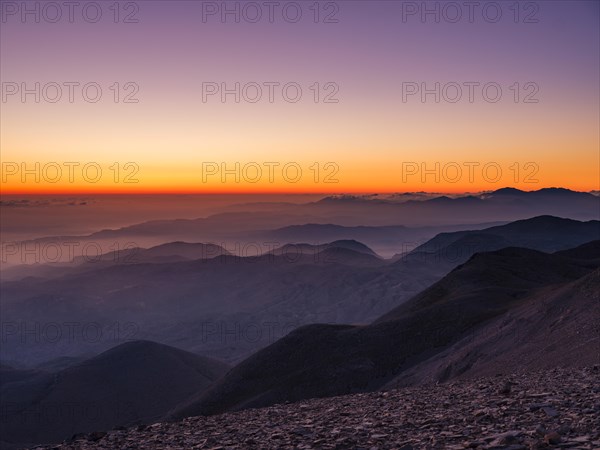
(67, 332)
(270, 172)
(270, 92)
(469, 172)
(469, 92)
(230, 332)
(69, 92)
(324, 12)
(69, 251)
(68, 172)
(521, 12)
(61, 12)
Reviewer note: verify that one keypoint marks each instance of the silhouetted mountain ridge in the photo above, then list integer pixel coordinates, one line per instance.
(361, 358)
(135, 382)
(545, 233)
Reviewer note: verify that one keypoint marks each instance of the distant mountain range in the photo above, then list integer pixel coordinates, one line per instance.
(382, 239)
(479, 313)
(500, 205)
(169, 252)
(228, 306)
(164, 253)
(375, 221)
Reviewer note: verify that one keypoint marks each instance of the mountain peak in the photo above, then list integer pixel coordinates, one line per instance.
(508, 191)
(352, 244)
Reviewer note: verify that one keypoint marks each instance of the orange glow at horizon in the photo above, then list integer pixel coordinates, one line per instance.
(452, 177)
(360, 134)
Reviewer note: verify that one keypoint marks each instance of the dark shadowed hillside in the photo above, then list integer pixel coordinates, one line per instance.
(136, 382)
(556, 326)
(311, 249)
(323, 360)
(9, 374)
(545, 233)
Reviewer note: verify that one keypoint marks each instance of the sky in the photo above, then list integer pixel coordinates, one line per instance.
(357, 96)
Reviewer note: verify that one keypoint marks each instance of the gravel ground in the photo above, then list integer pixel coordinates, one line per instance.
(552, 409)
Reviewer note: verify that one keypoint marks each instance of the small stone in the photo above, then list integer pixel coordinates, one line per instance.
(505, 389)
(551, 412)
(77, 437)
(536, 406)
(302, 431)
(504, 439)
(552, 438)
(96, 436)
(378, 436)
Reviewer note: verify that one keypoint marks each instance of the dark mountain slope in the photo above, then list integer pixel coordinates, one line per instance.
(296, 249)
(136, 382)
(555, 326)
(325, 360)
(506, 273)
(544, 233)
(589, 252)
(9, 374)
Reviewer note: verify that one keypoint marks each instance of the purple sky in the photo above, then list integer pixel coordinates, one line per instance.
(368, 54)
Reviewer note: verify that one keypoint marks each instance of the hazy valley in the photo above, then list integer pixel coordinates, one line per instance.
(179, 329)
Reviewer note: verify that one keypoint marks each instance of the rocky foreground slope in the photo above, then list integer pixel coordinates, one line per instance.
(558, 408)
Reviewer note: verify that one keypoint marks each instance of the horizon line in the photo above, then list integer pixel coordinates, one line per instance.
(278, 193)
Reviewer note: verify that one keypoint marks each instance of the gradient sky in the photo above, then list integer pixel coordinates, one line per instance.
(367, 135)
